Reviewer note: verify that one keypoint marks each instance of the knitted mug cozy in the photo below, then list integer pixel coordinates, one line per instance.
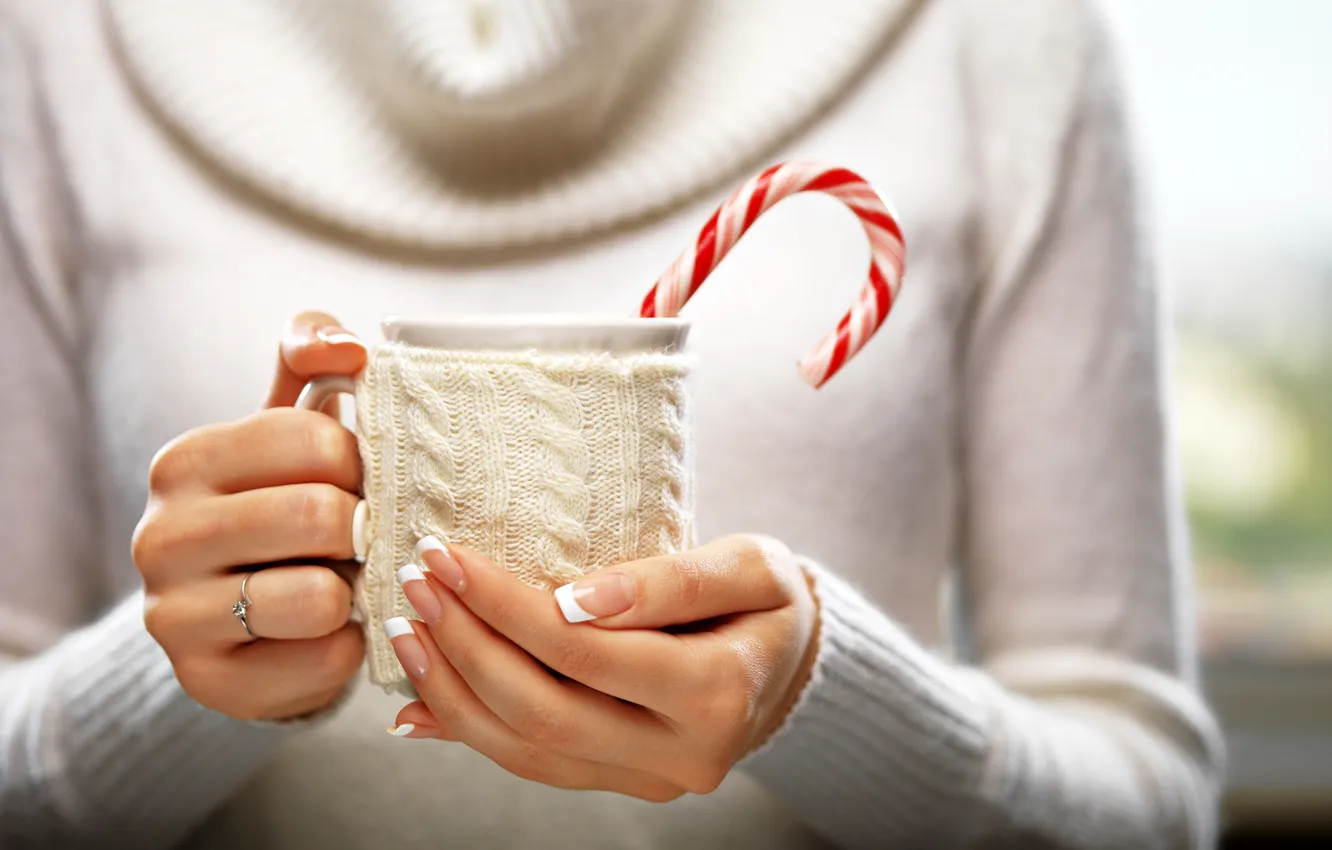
(552, 464)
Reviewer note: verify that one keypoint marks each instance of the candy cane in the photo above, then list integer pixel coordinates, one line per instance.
(887, 256)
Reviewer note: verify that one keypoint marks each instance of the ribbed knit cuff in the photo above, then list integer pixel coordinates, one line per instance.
(885, 738)
(127, 752)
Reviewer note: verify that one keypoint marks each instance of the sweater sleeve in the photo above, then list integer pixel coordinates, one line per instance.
(1079, 724)
(98, 743)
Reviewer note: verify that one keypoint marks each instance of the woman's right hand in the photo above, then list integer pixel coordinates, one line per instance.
(272, 494)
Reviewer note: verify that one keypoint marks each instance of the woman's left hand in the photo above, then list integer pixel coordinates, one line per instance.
(617, 704)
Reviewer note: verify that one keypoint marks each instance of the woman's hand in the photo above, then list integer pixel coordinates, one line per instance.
(239, 497)
(619, 704)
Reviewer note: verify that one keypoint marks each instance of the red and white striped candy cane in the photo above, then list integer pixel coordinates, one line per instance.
(733, 218)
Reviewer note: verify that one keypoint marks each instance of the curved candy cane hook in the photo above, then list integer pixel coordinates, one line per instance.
(887, 256)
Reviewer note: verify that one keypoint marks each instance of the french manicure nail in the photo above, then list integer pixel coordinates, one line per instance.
(442, 563)
(407, 646)
(334, 335)
(419, 593)
(359, 519)
(411, 730)
(598, 595)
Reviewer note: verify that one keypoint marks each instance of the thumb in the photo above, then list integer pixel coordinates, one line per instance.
(313, 344)
(734, 575)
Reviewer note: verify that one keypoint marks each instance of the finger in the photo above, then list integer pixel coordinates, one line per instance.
(415, 720)
(266, 449)
(563, 716)
(302, 672)
(313, 344)
(734, 575)
(502, 746)
(452, 706)
(269, 679)
(286, 603)
(182, 540)
(648, 668)
(449, 710)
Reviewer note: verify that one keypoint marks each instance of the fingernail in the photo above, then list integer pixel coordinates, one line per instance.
(411, 730)
(407, 645)
(442, 563)
(598, 595)
(419, 593)
(359, 517)
(334, 335)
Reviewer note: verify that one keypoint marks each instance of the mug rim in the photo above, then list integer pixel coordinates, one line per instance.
(555, 331)
(475, 321)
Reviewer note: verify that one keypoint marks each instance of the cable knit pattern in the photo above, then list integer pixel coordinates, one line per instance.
(560, 463)
(552, 464)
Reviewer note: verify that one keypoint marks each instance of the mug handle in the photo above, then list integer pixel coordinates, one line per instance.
(312, 397)
(321, 389)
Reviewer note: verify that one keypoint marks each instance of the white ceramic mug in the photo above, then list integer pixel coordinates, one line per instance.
(556, 445)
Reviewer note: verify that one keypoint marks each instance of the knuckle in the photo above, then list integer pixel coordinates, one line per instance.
(687, 582)
(728, 703)
(320, 600)
(163, 533)
(530, 763)
(451, 723)
(729, 711)
(321, 517)
(462, 654)
(505, 611)
(154, 622)
(455, 722)
(173, 464)
(773, 561)
(187, 458)
(723, 670)
(753, 545)
(158, 620)
(330, 447)
(144, 543)
(546, 727)
(579, 661)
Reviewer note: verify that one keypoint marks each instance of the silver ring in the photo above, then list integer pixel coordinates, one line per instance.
(238, 609)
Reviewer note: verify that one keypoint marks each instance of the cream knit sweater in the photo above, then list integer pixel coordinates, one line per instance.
(1006, 429)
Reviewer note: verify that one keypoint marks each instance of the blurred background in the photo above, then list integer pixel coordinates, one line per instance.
(1234, 102)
